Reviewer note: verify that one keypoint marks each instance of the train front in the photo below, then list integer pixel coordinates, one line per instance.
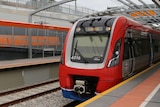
(83, 71)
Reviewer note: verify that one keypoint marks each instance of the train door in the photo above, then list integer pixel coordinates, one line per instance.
(128, 58)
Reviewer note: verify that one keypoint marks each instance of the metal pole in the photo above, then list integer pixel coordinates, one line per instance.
(46, 7)
(157, 2)
(30, 21)
(75, 6)
(30, 42)
(0, 3)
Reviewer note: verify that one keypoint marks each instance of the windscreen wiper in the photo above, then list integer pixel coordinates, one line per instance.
(79, 53)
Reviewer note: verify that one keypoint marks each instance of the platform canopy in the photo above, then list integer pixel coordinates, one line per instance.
(147, 14)
(139, 10)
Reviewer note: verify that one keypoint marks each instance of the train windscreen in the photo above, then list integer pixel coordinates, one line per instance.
(90, 40)
(89, 48)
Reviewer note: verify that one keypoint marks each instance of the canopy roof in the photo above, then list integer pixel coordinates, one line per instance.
(147, 14)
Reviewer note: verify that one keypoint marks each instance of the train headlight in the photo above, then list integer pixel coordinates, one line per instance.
(108, 29)
(78, 29)
(93, 29)
(80, 82)
(79, 86)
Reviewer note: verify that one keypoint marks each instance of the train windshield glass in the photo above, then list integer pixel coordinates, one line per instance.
(89, 48)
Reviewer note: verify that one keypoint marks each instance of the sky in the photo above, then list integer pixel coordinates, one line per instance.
(103, 4)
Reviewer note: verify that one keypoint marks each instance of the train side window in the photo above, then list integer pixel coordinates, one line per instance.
(155, 42)
(117, 48)
(126, 49)
(159, 45)
(135, 49)
(141, 47)
(116, 54)
(145, 46)
(140, 43)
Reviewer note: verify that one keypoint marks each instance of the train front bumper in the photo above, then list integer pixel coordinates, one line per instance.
(72, 95)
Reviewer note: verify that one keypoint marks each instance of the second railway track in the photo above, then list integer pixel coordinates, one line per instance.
(29, 92)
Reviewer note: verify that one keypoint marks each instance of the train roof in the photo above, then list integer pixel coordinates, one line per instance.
(141, 26)
(130, 22)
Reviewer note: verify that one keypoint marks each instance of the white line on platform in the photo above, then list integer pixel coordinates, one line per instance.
(145, 102)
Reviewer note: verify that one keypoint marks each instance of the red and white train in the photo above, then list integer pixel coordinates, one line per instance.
(100, 52)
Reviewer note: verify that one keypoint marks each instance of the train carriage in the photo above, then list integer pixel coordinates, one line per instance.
(100, 52)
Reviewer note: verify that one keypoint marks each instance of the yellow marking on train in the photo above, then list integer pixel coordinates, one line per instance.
(114, 87)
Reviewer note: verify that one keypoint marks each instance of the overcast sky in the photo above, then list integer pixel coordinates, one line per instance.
(103, 4)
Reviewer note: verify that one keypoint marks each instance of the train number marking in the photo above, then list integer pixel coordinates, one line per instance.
(76, 57)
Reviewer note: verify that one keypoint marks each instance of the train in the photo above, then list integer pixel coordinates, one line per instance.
(14, 39)
(100, 52)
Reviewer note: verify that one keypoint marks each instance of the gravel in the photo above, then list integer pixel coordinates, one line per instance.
(49, 100)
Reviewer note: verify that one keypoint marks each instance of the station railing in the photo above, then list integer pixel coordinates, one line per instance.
(35, 4)
(34, 36)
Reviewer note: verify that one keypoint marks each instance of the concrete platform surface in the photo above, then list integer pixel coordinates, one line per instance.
(141, 90)
(28, 62)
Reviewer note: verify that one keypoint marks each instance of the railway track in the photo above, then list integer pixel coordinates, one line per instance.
(29, 92)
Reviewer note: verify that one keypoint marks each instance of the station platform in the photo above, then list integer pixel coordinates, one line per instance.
(141, 90)
(28, 62)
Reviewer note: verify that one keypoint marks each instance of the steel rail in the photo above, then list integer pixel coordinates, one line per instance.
(28, 97)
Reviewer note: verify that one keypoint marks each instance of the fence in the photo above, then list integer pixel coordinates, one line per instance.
(32, 36)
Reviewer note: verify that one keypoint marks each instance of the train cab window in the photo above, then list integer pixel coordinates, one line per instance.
(89, 48)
